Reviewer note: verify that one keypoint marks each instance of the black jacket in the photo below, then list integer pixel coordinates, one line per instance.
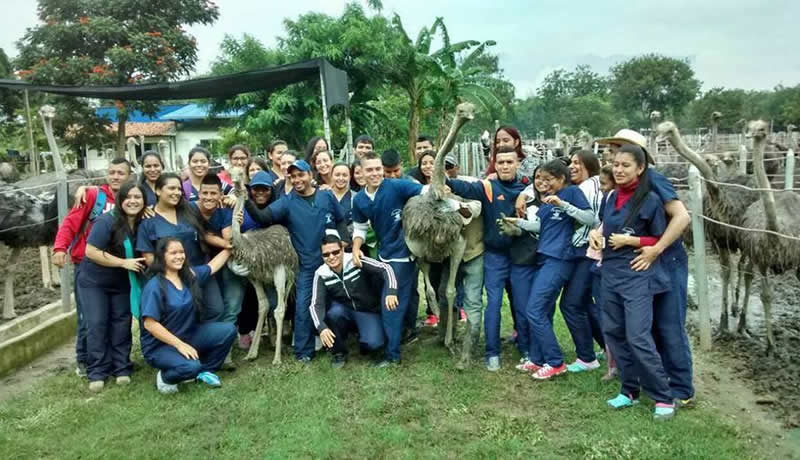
(358, 288)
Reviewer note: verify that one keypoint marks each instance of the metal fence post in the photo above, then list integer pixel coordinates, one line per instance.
(698, 236)
(742, 159)
(789, 178)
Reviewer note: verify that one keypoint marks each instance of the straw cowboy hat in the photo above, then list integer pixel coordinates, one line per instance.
(628, 136)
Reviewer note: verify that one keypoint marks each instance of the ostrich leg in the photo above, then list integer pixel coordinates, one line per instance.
(741, 328)
(279, 277)
(455, 261)
(263, 308)
(741, 267)
(8, 307)
(47, 281)
(725, 271)
(430, 295)
(766, 301)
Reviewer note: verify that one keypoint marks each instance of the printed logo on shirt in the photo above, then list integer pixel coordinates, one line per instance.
(557, 213)
(501, 197)
(397, 214)
(328, 218)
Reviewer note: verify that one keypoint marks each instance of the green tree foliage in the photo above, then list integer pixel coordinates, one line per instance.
(652, 82)
(109, 42)
(9, 100)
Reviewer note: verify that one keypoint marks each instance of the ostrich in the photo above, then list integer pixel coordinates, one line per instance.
(270, 258)
(768, 251)
(725, 204)
(715, 117)
(433, 229)
(655, 119)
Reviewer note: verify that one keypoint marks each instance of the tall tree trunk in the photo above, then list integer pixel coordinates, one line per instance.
(413, 124)
(122, 118)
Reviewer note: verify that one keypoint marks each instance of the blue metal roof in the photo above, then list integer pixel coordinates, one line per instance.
(170, 112)
(137, 116)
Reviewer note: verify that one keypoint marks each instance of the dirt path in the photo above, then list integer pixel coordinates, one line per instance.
(62, 359)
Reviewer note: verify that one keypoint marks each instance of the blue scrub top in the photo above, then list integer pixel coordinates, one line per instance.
(150, 198)
(662, 187)
(557, 228)
(347, 206)
(178, 316)
(93, 274)
(153, 229)
(385, 213)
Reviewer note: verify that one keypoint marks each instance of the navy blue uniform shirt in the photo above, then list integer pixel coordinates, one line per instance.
(98, 275)
(557, 228)
(153, 229)
(385, 213)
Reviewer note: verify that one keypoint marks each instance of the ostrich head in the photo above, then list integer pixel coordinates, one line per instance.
(464, 113)
(757, 130)
(132, 142)
(790, 127)
(238, 177)
(48, 112)
(715, 116)
(655, 116)
(665, 130)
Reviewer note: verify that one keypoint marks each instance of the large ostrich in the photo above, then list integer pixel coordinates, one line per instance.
(767, 250)
(432, 227)
(270, 258)
(725, 204)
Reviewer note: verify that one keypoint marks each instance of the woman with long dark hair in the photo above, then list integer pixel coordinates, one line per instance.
(199, 165)
(357, 179)
(424, 170)
(108, 287)
(316, 144)
(174, 339)
(152, 168)
(322, 164)
(633, 217)
(174, 217)
(505, 136)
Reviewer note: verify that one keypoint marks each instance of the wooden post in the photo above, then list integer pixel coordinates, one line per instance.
(742, 159)
(33, 156)
(698, 236)
(789, 178)
(325, 122)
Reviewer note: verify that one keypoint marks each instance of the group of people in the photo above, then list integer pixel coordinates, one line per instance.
(602, 242)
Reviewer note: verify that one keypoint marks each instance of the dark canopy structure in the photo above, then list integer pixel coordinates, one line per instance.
(268, 79)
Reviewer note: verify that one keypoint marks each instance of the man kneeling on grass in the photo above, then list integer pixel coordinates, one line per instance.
(352, 298)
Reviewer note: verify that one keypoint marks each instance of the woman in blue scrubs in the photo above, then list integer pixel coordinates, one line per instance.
(633, 216)
(174, 340)
(152, 167)
(174, 217)
(104, 288)
(563, 208)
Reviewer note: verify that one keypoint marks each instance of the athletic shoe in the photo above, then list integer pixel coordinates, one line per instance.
(528, 366)
(305, 360)
(663, 411)
(338, 360)
(432, 321)
(688, 403)
(80, 369)
(493, 364)
(462, 315)
(622, 401)
(96, 386)
(163, 387)
(582, 366)
(513, 337)
(384, 363)
(548, 372)
(123, 380)
(209, 379)
(245, 340)
(410, 337)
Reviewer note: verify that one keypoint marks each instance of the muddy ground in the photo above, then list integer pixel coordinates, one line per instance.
(28, 289)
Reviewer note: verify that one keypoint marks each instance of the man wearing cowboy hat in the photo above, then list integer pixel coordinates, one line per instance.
(669, 309)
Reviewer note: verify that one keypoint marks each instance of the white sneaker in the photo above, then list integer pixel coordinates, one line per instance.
(123, 380)
(493, 364)
(96, 386)
(163, 387)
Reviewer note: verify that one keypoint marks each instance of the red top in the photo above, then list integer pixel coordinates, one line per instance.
(624, 193)
(76, 226)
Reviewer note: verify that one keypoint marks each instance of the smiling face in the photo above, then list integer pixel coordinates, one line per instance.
(506, 165)
(358, 175)
(577, 171)
(332, 254)
(362, 148)
(551, 184)
(275, 154)
(323, 163)
(539, 182)
(198, 165)
(503, 139)
(260, 194)
(422, 146)
(301, 181)
(373, 172)
(626, 170)
(320, 146)
(253, 169)
(238, 159)
(209, 197)
(133, 204)
(169, 195)
(286, 161)
(117, 175)
(174, 256)
(426, 166)
(341, 177)
(152, 168)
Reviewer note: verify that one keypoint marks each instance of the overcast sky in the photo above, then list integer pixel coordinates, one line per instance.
(748, 45)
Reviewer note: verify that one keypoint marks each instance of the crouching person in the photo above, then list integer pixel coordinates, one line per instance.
(346, 298)
(173, 340)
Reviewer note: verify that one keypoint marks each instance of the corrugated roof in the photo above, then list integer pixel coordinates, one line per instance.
(198, 112)
(110, 112)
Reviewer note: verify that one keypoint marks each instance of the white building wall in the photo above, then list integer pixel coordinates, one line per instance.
(188, 137)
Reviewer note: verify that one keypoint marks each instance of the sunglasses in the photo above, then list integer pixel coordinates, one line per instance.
(335, 253)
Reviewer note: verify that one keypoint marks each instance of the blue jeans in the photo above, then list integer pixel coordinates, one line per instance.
(628, 327)
(304, 331)
(212, 299)
(393, 321)
(232, 287)
(212, 340)
(410, 320)
(551, 275)
(496, 271)
(81, 355)
(342, 319)
(522, 277)
(670, 326)
(577, 307)
(107, 316)
(473, 294)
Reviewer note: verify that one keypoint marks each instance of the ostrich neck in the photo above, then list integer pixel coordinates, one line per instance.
(767, 196)
(438, 179)
(692, 157)
(58, 165)
(236, 231)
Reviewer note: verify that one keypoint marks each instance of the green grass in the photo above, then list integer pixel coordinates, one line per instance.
(425, 408)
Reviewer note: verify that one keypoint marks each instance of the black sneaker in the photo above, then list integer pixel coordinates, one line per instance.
(409, 338)
(338, 360)
(386, 363)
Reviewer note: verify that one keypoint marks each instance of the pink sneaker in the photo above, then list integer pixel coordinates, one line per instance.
(463, 315)
(547, 372)
(528, 366)
(245, 341)
(432, 321)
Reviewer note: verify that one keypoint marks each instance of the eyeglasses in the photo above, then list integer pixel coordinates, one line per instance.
(335, 253)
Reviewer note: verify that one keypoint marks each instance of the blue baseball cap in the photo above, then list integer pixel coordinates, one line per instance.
(261, 178)
(302, 165)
